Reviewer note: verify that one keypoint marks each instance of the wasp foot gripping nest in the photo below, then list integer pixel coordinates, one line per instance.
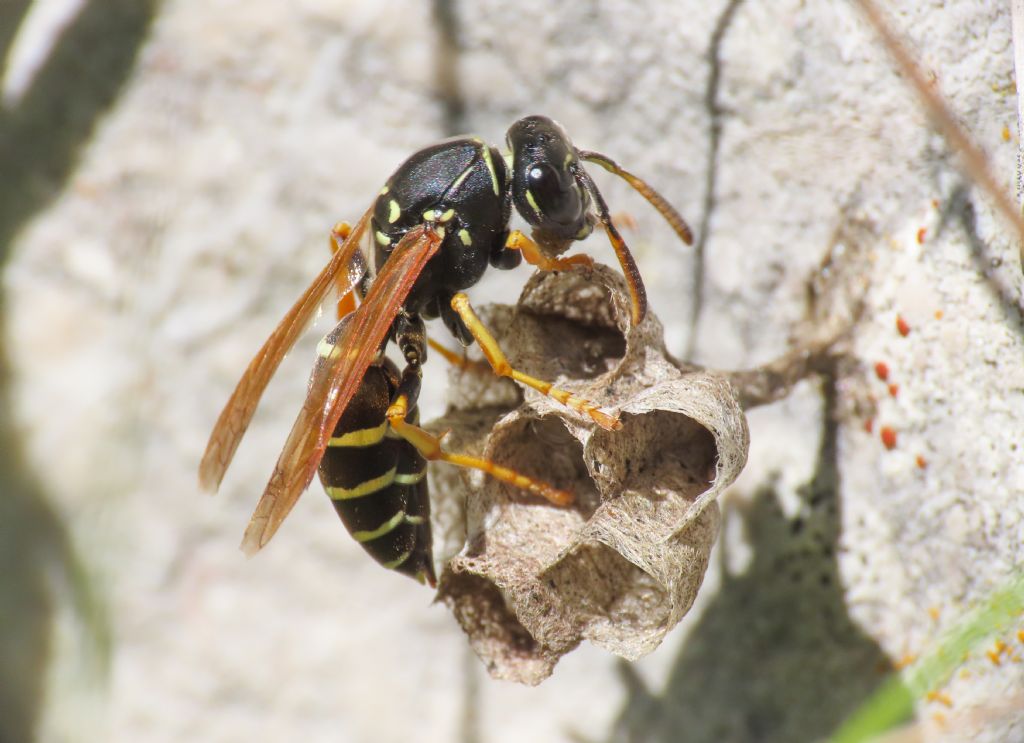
(620, 567)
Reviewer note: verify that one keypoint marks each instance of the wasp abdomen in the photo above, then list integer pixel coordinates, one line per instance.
(377, 481)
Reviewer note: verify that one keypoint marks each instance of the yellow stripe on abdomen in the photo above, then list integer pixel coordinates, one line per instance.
(392, 564)
(367, 487)
(386, 528)
(411, 478)
(360, 438)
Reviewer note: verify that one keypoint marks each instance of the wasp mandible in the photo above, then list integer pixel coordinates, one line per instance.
(435, 226)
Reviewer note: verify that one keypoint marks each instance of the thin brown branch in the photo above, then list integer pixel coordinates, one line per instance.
(973, 160)
(1018, 66)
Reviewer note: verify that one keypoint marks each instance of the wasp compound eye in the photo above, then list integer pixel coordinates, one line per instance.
(553, 194)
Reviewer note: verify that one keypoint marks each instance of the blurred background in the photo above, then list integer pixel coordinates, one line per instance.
(169, 172)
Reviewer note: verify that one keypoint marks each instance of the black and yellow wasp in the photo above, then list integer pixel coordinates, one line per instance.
(438, 222)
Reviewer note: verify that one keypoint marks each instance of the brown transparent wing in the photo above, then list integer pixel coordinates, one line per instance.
(343, 360)
(237, 413)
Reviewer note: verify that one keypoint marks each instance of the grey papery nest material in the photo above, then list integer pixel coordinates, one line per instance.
(623, 565)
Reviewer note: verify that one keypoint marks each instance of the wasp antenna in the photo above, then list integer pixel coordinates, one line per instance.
(655, 199)
(637, 292)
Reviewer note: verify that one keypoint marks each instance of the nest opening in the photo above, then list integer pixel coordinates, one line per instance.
(570, 348)
(545, 449)
(681, 444)
(665, 451)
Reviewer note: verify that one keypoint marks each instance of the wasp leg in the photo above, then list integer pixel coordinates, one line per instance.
(429, 446)
(459, 359)
(411, 344)
(535, 257)
(504, 257)
(346, 297)
(499, 363)
(341, 231)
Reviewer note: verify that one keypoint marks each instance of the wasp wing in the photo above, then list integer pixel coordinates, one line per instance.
(234, 419)
(343, 359)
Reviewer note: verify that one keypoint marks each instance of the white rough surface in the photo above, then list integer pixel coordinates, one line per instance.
(201, 209)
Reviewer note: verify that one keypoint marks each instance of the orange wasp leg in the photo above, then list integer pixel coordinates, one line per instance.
(346, 296)
(459, 360)
(430, 447)
(535, 256)
(499, 363)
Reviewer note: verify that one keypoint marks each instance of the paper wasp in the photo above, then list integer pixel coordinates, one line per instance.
(435, 225)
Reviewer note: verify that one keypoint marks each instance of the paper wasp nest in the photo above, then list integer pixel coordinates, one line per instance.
(529, 581)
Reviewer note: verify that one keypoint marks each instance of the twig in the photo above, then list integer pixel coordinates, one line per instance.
(973, 160)
(1018, 68)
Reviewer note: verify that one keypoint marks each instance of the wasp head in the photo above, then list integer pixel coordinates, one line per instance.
(546, 187)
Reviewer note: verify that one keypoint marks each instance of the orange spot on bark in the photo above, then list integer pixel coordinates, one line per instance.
(882, 370)
(996, 653)
(902, 326)
(921, 233)
(894, 389)
(888, 436)
(904, 661)
(869, 424)
(921, 461)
